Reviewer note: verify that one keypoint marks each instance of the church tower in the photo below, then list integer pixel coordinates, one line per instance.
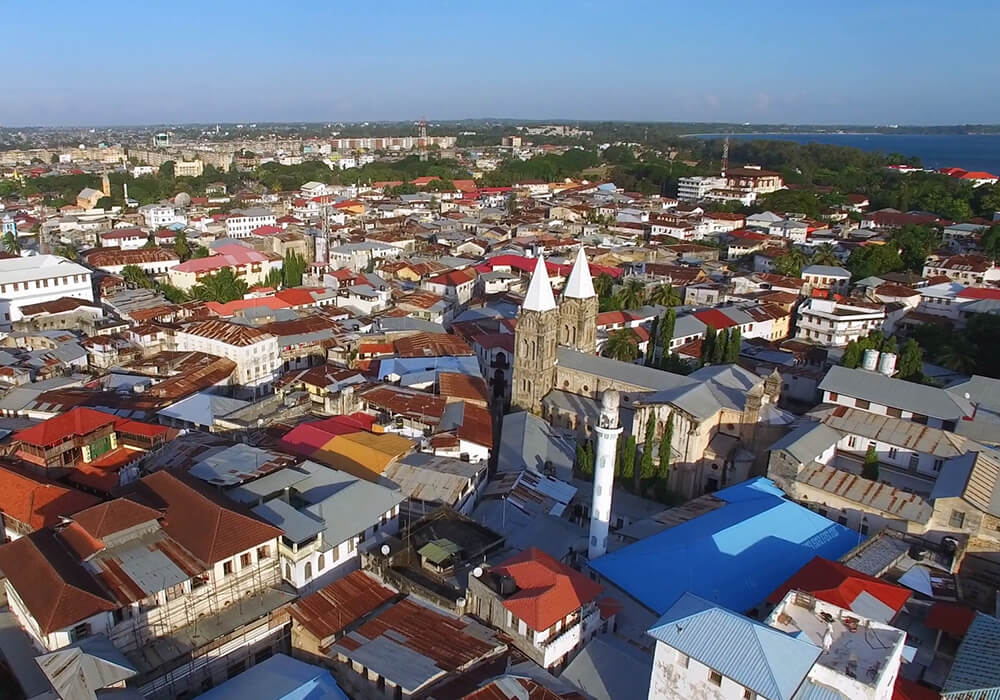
(578, 308)
(535, 343)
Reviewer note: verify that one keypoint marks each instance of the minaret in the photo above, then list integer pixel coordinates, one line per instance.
(535, 343)
(106, 185)
(578, 310)
(607, 430)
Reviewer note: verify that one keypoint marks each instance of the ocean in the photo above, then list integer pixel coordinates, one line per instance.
(967, 151)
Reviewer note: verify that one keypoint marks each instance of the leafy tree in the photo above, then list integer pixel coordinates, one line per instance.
(732, 354)
(666, 440)
(166, 170)
(201, 252)
(651, 343)
(665, 295)
(824, 255)
(672, 362)
(873, 260)
(666, 330)
(852, 355)
(292, 268)
(708, 345)
(891, 345)
(719, 347)
(11, 244)
(648, 466)
(911, 361)
(67, 251)
(991, 242)
(136, 276)
(224, 286)
(632, 294)
(790, 263)
(172, 293)
(604, 285)
(915, 244)
(628, 458)
(581, 456)
(623, 344)
(869, 469)
(512, 204)
(181, 246)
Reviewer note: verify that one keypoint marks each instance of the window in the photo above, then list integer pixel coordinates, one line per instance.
(938, 463)
(914, 461)
(893, 452)
(957, 518)
(227, 567)
(749, 694)
(842, 520)
(245, 560)
(852, 441)
(683, 660)
(715, 678)
(80, 631)
(236, 669)
(309, 571)
(263, 553)
(320, 562)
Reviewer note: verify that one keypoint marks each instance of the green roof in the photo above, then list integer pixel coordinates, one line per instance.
(439, 551)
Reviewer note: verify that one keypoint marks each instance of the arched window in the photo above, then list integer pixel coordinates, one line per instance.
(309, 570)
(288, 571)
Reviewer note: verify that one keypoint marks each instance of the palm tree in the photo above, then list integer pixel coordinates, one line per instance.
(622, 345)
(221, 287)
(958, 358)
(790, 263)
(67, 251)
(665, 295)
(11, 244)
(632, 294)
(603, 285)
(824, 255)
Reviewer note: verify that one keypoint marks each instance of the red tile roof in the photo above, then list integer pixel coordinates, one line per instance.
(979, 293)
(76, 422)
(840, 585)
(114, 516)
(38, 503)
(548, 590)
(714, 318)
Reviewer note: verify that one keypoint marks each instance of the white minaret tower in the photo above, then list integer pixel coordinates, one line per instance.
(607, 431)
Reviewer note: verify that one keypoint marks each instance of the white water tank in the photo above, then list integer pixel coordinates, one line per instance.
(887, 364)
(870, 361)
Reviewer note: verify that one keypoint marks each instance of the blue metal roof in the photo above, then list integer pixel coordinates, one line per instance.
(279, 678)
(975, 668)
(733, 556)
(761, 658)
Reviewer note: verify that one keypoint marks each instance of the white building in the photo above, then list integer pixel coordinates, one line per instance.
(696, 188)
(244, 221)
(358, 256)
(38, 278)
(836, 279)
(832, 323)
(806, 648)
(789, 229)
(160, 215)
(254, 351)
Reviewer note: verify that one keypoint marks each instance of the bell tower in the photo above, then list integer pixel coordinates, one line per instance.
(535, 343)
(578, 308)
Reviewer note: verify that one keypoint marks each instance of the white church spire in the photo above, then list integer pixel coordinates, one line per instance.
(580, 284)
(539, 296)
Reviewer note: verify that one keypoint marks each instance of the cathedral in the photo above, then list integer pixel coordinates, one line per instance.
(723, 415)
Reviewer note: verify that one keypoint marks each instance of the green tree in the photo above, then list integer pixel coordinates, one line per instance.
(824, 255)
(915, 244)
(632, 294)
(275, 277)
(873, 260)
(293, 267)
(166, 170)
(67, 251)
(790, 263)
(172, 293)
(891, 345)
(869, 469)
(201, 252)
(667, 324)
(651, 343)
(991, 242)
(181, 246)
(628, 458)
(732, 354)
(512, 204)
(224, 286)
(588, 458)
(648, 466)
(604, 285)
(852, 355)
(719, 347)
(136, 276)
(665, 442)
(708, 345)
(622, 344)
(665, 295)
(11, 244)
(911, 361)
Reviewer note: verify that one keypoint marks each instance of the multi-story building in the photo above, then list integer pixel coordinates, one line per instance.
(360, 256)
(124, 238)
(39, 278)
(242, 222)
(182, 585)
(834, 323)
(806, 648)
(753, 179)
(966, 269)
(152, 261)
(834, 279)
(188, 168)
(252, 266)
(696, 188)
(159, 215)
(255, 352)
(548, 609)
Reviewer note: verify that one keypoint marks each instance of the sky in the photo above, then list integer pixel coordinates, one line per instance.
(799, 61)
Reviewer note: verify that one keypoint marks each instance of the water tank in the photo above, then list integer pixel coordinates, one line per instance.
(870, 361)
(887, 364)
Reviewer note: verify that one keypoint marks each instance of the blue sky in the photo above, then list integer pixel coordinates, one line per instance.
(848, 61)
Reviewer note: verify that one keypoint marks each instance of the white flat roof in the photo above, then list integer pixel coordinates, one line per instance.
(38, 267)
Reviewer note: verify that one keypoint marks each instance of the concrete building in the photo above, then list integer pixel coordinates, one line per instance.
(241, 222)
(834, 323)
(40, 278)
(254, 351)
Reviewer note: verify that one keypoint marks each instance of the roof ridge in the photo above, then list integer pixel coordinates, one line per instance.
(758, 630)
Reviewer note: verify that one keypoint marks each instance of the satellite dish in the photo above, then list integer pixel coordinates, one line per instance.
(385, 550)
(477, 572)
